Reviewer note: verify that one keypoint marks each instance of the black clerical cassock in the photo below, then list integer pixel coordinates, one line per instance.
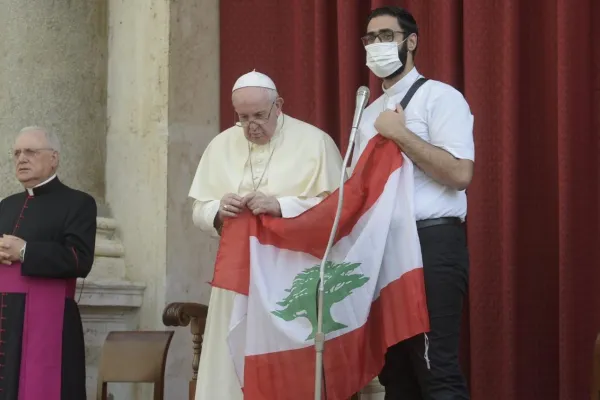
(42, 353)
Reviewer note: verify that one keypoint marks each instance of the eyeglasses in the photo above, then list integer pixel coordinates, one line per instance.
(259, 118)
(28, 153)
(384, 35)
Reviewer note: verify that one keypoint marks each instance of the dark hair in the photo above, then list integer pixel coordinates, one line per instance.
(405, 19)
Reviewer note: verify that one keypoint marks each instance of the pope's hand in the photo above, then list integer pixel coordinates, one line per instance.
(231, 205)
(391, 124)
(259, 203)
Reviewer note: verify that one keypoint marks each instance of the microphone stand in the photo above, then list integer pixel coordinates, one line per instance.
(361, 101)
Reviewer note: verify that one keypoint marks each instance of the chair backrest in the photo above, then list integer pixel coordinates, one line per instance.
(136, 356)
(596, 373)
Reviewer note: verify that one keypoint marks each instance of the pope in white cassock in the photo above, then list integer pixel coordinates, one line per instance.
(271, 164)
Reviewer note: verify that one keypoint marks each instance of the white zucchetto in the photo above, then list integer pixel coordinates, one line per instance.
(254, 79)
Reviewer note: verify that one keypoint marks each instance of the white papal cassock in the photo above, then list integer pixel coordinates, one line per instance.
(301, 165)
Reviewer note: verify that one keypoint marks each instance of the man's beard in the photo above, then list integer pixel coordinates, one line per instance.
(403, 56)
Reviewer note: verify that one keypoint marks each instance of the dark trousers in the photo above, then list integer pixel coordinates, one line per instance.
(405, 374)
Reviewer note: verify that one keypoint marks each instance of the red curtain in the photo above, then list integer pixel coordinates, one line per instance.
(531, 73)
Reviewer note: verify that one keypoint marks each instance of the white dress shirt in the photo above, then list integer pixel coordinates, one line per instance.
(440, 115)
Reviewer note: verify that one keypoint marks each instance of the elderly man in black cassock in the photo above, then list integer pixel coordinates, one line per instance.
(48, 237)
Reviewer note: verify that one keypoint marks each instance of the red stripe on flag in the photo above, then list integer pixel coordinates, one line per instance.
(351, 360)
(308, 232)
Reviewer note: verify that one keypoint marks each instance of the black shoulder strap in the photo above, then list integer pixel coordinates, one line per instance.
(411, 92)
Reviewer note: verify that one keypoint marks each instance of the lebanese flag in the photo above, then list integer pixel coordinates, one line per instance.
(374, 289)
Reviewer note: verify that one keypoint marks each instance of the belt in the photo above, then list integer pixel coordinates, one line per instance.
(426, 223)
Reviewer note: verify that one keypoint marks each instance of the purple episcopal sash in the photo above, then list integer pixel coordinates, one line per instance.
(41, 356)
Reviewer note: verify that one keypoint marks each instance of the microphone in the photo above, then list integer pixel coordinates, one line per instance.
(362, 96)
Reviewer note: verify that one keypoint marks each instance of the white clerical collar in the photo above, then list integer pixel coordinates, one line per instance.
(30, 190)
(403, 84)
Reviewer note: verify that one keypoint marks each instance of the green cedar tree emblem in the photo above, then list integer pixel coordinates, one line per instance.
(301, 302)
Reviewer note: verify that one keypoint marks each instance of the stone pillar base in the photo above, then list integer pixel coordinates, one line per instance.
(108, 301)
(107, 306)
(373, 391)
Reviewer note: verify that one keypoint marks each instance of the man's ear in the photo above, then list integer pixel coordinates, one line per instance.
(279, 103)
(55, 159)
(413, 40)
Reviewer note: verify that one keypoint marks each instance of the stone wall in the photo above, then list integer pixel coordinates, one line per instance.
(163, 91)
(193, 122)
(53, 73)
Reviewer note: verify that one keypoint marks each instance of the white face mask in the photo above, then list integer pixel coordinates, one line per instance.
(382, 58)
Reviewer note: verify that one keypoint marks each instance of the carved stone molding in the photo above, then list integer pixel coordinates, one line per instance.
(109, 261)
(373, 391)
(108, 301)
(116, 294)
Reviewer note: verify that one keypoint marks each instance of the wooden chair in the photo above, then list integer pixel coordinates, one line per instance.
(596, 373)
(136, 357)
(193, 314)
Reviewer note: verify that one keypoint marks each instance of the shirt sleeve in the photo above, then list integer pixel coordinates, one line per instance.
(451, 123)
(203, 215)
(73, 255)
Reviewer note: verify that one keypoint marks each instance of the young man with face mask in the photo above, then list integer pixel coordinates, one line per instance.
(434, 130)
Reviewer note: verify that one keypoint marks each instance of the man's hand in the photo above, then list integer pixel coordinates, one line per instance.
(391, 124)
(10, 249)
(231, 205)
(5, 258)
(259, 203)
(436, 162)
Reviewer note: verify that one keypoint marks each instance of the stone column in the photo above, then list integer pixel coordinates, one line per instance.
(163, 108)
(53, 73)
(193, 123)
